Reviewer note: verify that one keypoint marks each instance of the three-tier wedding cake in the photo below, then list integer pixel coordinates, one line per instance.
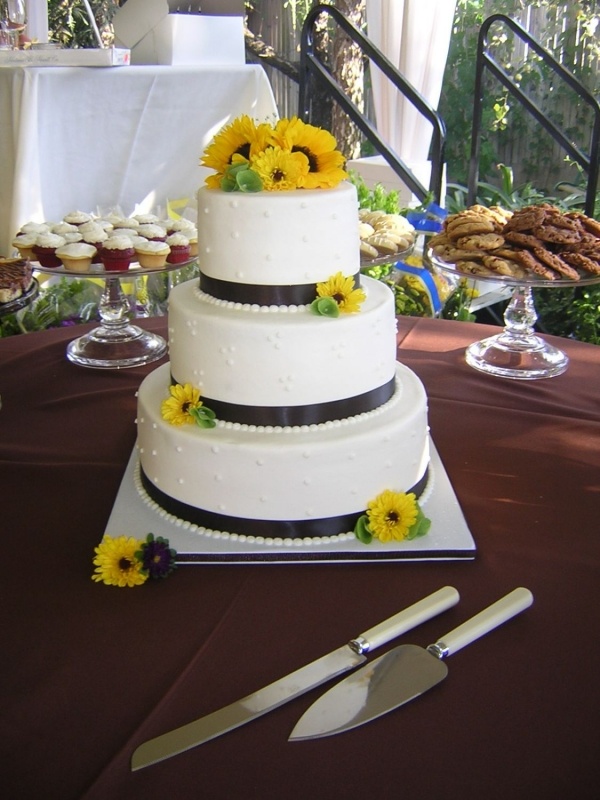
(282, 412)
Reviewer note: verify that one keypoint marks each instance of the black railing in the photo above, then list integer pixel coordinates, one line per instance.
(311, 67)
(588, 163)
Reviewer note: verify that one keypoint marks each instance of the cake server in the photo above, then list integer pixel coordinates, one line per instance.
(293, 685)
(399, 675)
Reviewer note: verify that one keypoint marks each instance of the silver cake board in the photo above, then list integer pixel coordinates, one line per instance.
(448, 539)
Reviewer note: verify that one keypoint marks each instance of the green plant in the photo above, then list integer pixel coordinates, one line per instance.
(69, 24)
(508, 131)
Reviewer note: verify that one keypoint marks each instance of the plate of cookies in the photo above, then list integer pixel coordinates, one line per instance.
(536, 245)
(384, 237)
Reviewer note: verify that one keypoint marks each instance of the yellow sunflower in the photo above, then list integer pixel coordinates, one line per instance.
(177, 408)
(392, 515)
(280, 170)
(116, 563)
(342, 290)
(325, 163)
(242, 138)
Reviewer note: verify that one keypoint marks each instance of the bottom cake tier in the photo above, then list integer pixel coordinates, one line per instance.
(289, 482)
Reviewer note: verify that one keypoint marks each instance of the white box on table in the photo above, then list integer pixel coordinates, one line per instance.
(155, 35)
(58, 57)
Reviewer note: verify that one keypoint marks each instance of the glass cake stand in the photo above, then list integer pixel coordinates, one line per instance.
(116, 343)
(518, 352)
(21, 302)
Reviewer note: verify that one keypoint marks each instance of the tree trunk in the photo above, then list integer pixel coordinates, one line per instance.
(348, 70)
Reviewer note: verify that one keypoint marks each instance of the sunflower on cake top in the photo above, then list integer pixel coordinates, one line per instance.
(291, 154)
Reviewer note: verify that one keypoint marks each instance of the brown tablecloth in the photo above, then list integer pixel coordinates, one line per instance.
(89, 671)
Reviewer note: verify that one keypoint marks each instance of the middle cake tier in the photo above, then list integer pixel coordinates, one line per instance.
(283, 365)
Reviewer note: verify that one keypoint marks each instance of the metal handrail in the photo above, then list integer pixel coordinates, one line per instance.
(312, 66)
(590, 164)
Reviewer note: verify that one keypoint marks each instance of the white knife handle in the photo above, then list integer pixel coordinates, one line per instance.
(482, 623)
(406, 620)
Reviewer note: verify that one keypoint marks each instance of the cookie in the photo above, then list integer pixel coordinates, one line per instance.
(526, 219)
(368, 252)
(521, 239)
(504, 266)
(384, 245)
(482, 241)
(556, 263)
(555, 235)
(583, 262)
(457, 231)
(528, 260)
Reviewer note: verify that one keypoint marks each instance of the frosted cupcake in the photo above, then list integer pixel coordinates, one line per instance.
(146, 219)
(192, 236)
(77, 256)
(77, 217)
(153, 232)
(35, 228)
(180, 248)
(130, 232)
(126, 222)
(45, 248)
(116, 253)
(96, 237)
(61, 228)
(23, 242)
(152, 254)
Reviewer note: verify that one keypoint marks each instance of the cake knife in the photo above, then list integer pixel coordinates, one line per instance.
(293, 685)
(400, 675)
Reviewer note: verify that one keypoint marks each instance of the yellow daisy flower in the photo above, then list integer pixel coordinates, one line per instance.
(176, 409)
(242, 138)
(325, 163)
(342, 290)
(392, 515)
(116, 563)
(280, 170)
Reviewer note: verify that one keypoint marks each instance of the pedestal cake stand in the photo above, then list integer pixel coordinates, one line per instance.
(518, 352)
(116, 343)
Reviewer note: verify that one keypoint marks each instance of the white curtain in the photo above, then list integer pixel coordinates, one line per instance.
(37, 19)
(414, 35)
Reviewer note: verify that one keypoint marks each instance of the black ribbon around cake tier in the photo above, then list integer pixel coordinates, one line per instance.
(268, 295)
(293, 416)
(269, 528)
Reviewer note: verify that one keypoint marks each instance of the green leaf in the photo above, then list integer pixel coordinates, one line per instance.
(361, 530)
(204, 417)
(228, 184)
(325, 307)
(420, 528)
(248, 181)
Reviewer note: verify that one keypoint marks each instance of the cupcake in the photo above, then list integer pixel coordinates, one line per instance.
(180, 248)
(35, 228)
(96, 238)
(23, 242)
(192, 236)
(152, 254)
(147, 219)
(45, 247)
(180, 225)
(61, 228)
(130, 232)
(116, 253)
(77, 217)
(153, 232)
(126, 222)
(77, 256)
(75, 236)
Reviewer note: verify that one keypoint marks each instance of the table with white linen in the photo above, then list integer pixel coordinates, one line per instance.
(84, 137)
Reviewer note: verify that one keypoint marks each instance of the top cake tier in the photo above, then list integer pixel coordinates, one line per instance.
(278, 240)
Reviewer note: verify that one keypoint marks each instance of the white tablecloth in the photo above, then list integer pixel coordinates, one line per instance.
(79, 138)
